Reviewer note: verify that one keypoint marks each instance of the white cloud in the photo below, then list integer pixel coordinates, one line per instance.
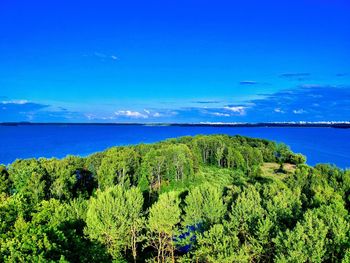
(220, 114)
(18, 102)
(103, 56)
(131, 114)
(152, 114)
(137, 114)
(236, 109)
(278, 110)
(299, 111)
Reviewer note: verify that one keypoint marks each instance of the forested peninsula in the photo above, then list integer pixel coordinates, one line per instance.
(214, 198)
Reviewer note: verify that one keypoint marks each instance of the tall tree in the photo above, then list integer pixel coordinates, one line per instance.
(305, 243)
(65, 176)
(154, 167)
(119, 165)
(219, 244)
(30, 179)
(235, 159)
(115, 218)
(163, 221)
(204, 204)
(179, 162)
(4, 180)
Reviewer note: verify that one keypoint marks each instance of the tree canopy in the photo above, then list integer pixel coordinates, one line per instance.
(211, 198)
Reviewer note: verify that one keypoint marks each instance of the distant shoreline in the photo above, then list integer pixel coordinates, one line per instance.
(343, 125)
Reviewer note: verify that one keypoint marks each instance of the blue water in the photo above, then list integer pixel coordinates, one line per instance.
(326, 145)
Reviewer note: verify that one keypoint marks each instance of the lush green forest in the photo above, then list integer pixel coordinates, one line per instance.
(193, 199)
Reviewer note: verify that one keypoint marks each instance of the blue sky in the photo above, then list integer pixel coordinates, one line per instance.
(174, 61)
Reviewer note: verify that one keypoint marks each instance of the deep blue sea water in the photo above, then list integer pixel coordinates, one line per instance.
(320, 145)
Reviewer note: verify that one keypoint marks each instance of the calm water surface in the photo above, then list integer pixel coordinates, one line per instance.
(326, 145)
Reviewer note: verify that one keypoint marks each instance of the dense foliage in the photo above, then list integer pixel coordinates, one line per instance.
(192, 199)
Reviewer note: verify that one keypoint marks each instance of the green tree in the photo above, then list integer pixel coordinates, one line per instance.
(297, 158)
(305, 243)
(252, 157)
(163, 221)
(210, 148)
(115, 218)
(220, 154)
(93, 162)
(282, 204)
(204, 204)
(30, 179)
(31, 242)
(119, 166)
(10, 209)
(67, 219)
(246, 212)
(154, 168)
(232, 212)
(249, 221)
(220, 245)
(282, 154)
(179, 161)
(5, 183)
(335, 217)
(64, 176)
(235, 159)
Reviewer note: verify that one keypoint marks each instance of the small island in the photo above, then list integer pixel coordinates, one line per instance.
(214, 198)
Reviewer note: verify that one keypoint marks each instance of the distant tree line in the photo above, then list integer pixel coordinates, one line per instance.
(190, 199)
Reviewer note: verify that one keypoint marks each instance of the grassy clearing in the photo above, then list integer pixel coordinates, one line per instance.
(272, 170)
(223, 177)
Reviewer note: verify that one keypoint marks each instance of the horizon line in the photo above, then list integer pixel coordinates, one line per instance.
(281, 123)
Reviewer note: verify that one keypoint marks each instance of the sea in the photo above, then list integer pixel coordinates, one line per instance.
(320, 145)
